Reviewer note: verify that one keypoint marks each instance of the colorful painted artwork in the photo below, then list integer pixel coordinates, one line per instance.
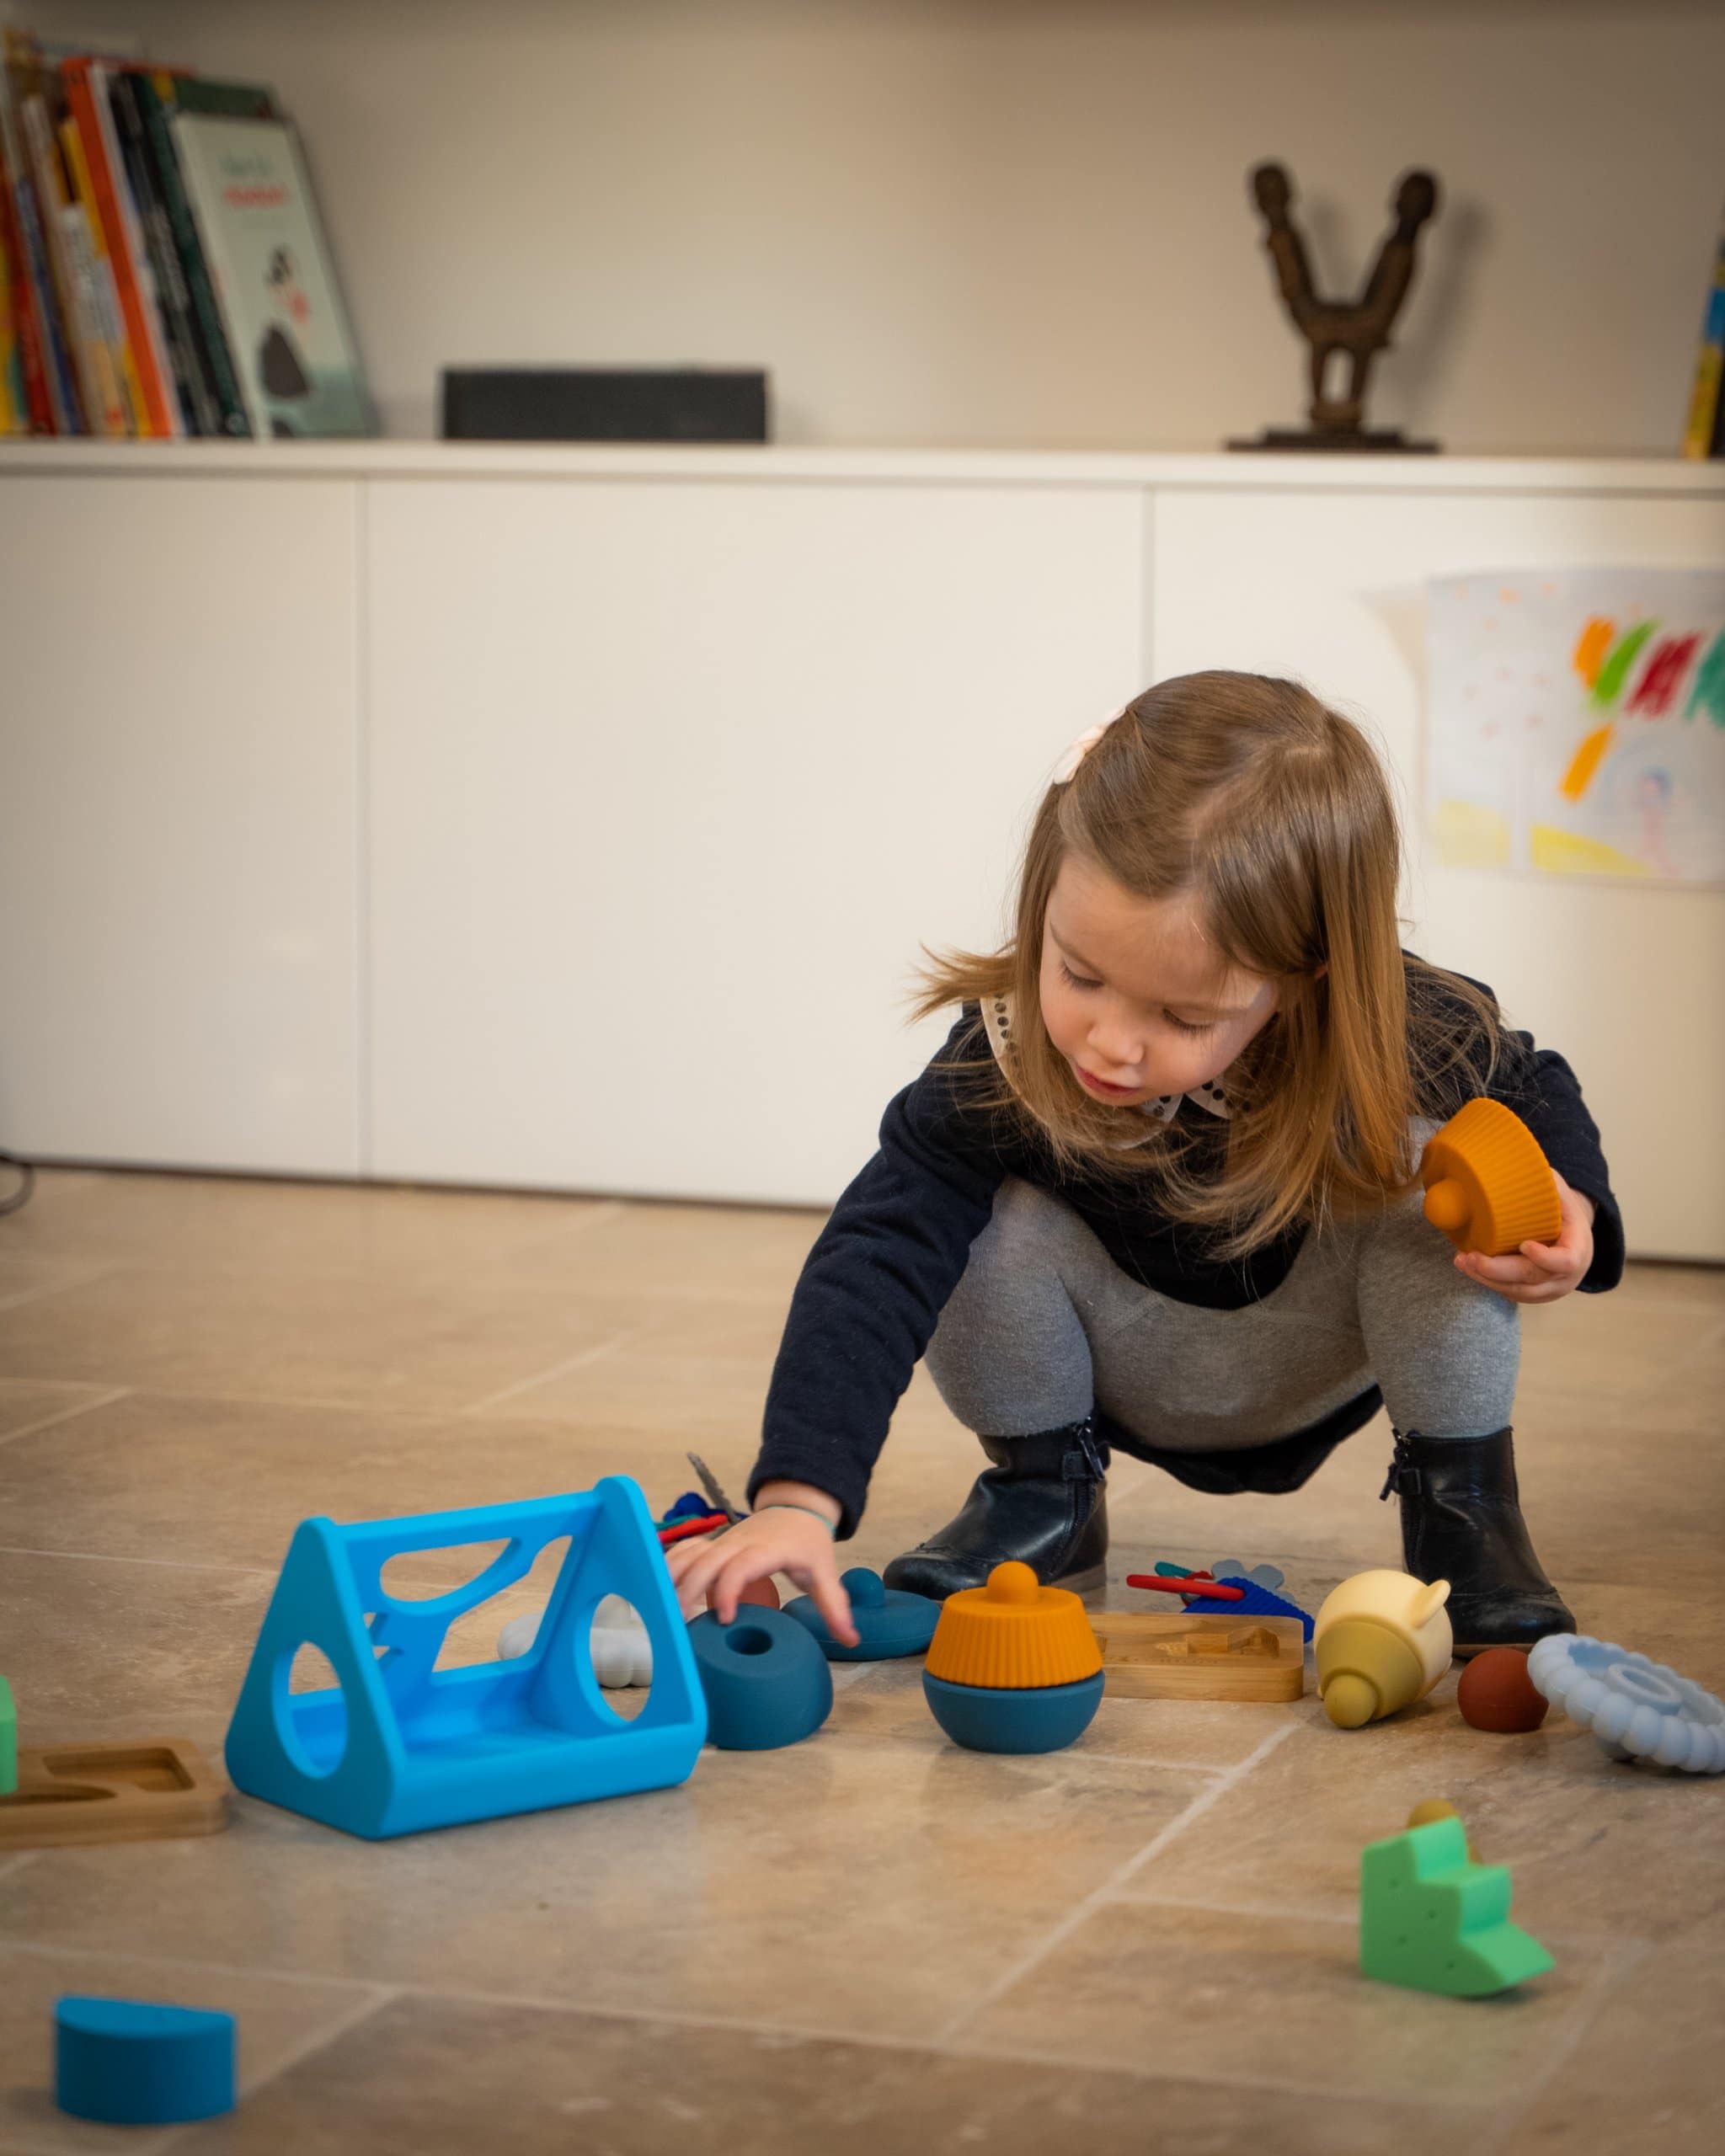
(1577, 722)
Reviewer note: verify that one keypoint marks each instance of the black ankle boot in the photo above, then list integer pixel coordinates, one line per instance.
(1461, 1522)
(1041, 1502)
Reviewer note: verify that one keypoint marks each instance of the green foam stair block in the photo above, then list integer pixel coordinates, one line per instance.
(8, 1741)
(1431, 1919)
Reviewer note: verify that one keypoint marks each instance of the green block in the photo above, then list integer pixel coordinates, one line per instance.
(8, 1741)
(1430, 1919)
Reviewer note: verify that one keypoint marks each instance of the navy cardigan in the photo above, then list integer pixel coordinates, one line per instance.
(896, 1246)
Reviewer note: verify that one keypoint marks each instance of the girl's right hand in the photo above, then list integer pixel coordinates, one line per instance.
(774, 1540)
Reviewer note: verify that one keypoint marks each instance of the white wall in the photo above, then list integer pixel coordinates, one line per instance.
(1011, 222)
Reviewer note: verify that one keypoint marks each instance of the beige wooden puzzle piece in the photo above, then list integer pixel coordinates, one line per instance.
(1251, 1640)
(1174, 1655)
(136, 1792)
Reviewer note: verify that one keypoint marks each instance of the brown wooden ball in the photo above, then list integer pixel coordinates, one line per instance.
(1496, 1693)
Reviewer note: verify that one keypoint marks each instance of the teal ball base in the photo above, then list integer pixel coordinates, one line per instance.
(1041, 1719)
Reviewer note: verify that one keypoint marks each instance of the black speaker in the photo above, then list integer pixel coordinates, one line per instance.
(604, 404)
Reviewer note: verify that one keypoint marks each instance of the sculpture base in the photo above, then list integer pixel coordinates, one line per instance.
(1385, 440)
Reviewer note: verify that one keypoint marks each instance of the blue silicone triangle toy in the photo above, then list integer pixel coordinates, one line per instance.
(399, 1744)
(1255, 1601)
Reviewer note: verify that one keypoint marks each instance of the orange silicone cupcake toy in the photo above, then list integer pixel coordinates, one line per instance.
(1486, 1183)
(1013, 1634)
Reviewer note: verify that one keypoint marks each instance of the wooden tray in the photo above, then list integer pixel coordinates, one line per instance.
(1157, 1654)
(140, 1790)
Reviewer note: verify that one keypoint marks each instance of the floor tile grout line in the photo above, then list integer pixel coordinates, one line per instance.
(600, 1213)
(249, 2090)
(151, 2147)
(1612, 1967)
(1257, 1912)
(320, 1403)
(323, 1403)
(69, 1951)
(67, 1414)
(194, 1564)
(1100, 1894)
(1204, 1771)
(557, 1370)
(163, 1564)
(84, 1278)
(1572, 1942)
(673, 2016)
(369, 1403)
(434, 1588)
(935, 2047)
(1232, 2077)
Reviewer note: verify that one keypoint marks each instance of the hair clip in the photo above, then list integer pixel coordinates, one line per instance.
(1083, 746)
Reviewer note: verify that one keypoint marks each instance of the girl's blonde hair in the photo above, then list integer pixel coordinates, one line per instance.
(1273, 812)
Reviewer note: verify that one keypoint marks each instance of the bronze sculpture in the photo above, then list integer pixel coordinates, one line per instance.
(1359, 331)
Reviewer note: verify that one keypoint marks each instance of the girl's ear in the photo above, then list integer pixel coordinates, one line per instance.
(1321, 970)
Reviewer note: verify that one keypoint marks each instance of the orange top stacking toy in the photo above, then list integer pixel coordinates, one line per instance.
(1014, 1635)
(1486, 1183)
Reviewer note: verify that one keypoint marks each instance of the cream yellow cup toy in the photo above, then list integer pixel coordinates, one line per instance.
(1382, 1639)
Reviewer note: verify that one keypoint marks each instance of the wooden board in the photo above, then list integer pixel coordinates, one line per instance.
(1155, 1654)
(139, 1790)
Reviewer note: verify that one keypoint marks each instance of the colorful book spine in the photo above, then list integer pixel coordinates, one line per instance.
(1705, 401)
(199, 412)
(106, 397)
(24, 251)
(58, 412)
(87, 93)
(26, 300)
(14, 403)
(65, 413)
(155, 94)
(69, 298)
(36, 217)
(97, 273)
(256, 418)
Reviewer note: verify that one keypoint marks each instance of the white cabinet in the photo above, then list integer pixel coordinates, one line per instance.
(1328, 584)
(571, 816)
(667, 781)
(178, 717)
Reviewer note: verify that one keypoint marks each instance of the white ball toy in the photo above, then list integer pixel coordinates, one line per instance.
(1637, 1709)
(622, 1660)
(518, 1636)
(622, 1653)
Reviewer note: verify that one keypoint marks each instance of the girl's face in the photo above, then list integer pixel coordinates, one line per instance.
(1135, 995)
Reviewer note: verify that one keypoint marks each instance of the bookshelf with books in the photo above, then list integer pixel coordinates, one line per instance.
(164, 273)
(124, 278)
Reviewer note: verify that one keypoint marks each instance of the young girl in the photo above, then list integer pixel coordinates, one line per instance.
(1158, 1193)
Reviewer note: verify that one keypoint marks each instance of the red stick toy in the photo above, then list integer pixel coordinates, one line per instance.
(685, 1528)
(1194, 1583)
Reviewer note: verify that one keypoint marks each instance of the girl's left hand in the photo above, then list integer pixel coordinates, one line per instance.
(1540, 1272)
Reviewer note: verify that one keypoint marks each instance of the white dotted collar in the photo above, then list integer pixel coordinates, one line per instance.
(1218, 1098)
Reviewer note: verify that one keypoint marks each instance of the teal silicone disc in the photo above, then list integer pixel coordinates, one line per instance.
(890, 1622)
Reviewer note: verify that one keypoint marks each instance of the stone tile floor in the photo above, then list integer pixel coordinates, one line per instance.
(873, 1942)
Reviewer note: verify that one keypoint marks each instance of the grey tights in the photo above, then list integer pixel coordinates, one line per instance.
(1044, 1325)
